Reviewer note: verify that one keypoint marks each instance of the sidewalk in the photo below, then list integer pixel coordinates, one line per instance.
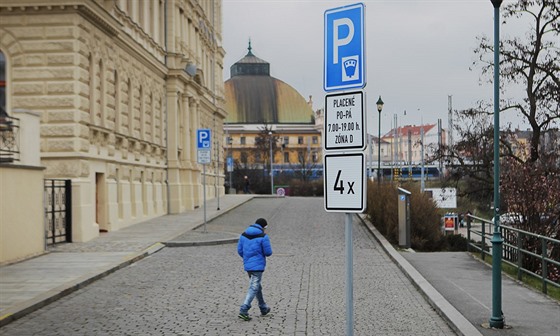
(31, 284)
(460, 289)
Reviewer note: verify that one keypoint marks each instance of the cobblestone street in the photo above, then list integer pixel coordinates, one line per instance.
(198, 290)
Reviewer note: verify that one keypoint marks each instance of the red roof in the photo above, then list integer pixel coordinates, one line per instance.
(414, 130)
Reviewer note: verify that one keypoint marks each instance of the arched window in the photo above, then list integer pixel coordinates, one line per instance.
(3, 71)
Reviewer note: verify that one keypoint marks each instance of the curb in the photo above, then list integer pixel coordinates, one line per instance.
(453, 317)
(200, 243)
(210, 218)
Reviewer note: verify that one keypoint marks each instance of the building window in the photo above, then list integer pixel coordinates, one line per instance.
(314, 157)
(300, 156)
(258, 157)
(286, 140)
(300, 140)
(315, 140)
(243, 157)
(286, 157)
(243, 140)
(3, 72)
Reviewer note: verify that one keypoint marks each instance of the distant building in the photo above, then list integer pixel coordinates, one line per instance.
(402, 148)
(521, 142)
(404, 144)
(257, 103)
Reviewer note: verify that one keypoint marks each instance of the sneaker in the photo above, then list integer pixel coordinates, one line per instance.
(244, 317)
(265, 311)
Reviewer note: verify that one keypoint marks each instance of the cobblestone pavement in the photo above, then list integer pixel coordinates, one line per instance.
(198, 290)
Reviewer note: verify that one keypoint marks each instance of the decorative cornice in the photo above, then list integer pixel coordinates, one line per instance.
(90, 10)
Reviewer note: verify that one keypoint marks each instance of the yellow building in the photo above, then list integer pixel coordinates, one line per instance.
(120, 87)
(263, 113)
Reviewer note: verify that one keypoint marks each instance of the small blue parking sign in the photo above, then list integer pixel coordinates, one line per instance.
(344, 48)
(203, 138)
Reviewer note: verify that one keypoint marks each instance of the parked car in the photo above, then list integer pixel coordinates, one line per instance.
(511, 219)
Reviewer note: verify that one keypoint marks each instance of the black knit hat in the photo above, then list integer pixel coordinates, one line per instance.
(262, 222)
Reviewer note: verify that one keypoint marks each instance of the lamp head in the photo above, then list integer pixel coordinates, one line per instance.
(379, 104)
(496, 3)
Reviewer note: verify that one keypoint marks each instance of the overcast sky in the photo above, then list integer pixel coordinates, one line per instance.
(418, 51)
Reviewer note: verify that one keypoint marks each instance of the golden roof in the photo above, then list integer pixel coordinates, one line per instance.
(254, 97)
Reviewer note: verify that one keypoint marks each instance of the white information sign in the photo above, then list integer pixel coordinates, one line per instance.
(204, 156)
(345, 182)
(445, 198)
(344, 121)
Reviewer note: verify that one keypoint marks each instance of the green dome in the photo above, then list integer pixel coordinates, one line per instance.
(254, 97)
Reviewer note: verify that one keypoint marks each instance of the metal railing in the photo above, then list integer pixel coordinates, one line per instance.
(9, 139)
(520, 249)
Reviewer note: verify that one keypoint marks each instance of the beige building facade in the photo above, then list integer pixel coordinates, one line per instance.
(121, 87)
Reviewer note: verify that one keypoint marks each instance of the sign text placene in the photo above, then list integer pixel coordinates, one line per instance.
(344, 121)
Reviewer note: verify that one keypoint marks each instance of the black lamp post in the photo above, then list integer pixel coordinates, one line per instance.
(497, 318)
(379, 108)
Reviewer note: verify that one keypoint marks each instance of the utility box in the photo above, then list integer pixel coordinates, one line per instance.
(404, 217)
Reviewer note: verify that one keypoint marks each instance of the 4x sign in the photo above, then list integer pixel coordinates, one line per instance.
(344, 48)
(345, 183)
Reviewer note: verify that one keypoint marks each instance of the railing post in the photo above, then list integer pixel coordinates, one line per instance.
(53, 211)
(483, 241)
(544, 264)
(468, 233)
(68, 209)
(519, 255)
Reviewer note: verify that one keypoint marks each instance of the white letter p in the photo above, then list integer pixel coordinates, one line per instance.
(343, 41)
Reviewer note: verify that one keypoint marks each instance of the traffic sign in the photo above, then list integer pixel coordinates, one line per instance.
(344, 121)
(345, 183)
(204, 155)
(203, 138)
(229, 164)
(344, 48)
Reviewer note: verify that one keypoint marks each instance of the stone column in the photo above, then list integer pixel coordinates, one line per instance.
(173, 146)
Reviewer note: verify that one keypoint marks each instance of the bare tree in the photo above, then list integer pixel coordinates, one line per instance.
(305, 166)
(532, 62)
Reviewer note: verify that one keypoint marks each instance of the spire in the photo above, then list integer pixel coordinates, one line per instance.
(249, 48)
(250, 65)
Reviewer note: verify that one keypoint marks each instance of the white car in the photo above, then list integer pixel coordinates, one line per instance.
(511, 219)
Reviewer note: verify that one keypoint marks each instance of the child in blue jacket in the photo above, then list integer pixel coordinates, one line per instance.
(254, 246)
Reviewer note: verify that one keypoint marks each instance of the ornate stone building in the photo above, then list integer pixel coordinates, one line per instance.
(121, 87)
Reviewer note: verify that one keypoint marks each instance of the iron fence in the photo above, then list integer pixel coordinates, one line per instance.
(529, 253)
(58, 211)
(9, 139)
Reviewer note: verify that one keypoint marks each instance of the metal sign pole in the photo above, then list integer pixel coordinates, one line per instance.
(349, 277)
(204, 193)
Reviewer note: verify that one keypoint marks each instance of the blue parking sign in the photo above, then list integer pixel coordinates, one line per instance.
(203, 138)
(344, 48)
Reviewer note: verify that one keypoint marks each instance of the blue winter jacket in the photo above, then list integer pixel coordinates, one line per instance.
(254, 246)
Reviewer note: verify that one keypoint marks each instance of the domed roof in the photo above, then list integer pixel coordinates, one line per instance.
(254, 97)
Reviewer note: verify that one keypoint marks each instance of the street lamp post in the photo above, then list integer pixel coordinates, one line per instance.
(497, 318)
(271, 160)
(379, 109)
